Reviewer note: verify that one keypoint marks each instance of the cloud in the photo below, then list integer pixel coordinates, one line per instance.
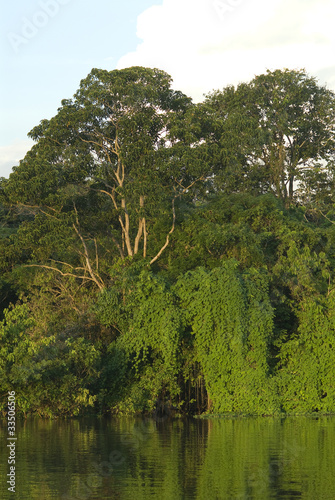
(208, 44)
(10, 155)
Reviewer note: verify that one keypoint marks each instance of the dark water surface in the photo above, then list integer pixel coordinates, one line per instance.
(126, 458)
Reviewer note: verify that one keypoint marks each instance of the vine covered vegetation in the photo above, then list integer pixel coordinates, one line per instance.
(163, 256)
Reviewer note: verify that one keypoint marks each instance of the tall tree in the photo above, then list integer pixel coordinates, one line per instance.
(271, 130)
(114, 141)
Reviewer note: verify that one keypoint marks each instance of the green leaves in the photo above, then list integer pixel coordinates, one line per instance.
(162, 253)
(146, 316)
(50, 376)
(306, 374)
(271, 129)
(232, 321)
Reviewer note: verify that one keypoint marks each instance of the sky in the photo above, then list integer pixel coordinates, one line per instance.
(48, 46)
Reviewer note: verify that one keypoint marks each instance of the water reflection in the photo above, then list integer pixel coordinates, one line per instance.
(127, 458)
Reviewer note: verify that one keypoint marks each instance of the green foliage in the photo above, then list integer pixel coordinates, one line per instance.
(16, 344)
(232, 322)
(168, 253)
(243, 227)
(50, 375)
(270, 131)
(150, 326)
(307, 370)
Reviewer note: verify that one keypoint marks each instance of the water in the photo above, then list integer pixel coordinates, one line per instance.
(126, 458)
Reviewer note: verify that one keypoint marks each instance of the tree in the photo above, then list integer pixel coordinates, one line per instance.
(111, 142)
(271, 130)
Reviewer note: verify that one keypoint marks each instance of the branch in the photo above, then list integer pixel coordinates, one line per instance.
(138, 236)
(140, 228)
(117, 244)
(168, 235)
(110, 195)
(119, 174)
(325, 216)
(96, 255)
(67, 264)
(126, 227)
(184, 189)
(174, 217)
(96, 278)
(145, 238)
(60, 272)
(39, 208)
(101, 146)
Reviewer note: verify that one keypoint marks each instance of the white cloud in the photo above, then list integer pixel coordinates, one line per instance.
(207, 44)
(10, 155)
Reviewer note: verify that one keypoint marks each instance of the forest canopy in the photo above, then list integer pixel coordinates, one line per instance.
(159, 255)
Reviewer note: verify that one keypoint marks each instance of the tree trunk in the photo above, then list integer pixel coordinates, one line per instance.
(126, 227)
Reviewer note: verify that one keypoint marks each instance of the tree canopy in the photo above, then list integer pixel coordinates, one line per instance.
(273, 130)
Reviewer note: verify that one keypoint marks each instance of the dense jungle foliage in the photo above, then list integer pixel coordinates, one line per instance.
(159, 255)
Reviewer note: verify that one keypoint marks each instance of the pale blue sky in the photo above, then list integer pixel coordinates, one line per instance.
(48, 46)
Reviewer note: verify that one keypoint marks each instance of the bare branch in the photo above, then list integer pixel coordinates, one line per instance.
(116, 243)
(111, 195)
(184, 189)
(95, 278)
(140, 227)
(101, 146)
(138, 236)
(145, 238)
(39, 208)
(96, 255)
(60, 272)
(325, 216)
(125, 227)
(174, 216)
(168, 235)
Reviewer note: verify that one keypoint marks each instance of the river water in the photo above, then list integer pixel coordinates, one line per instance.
(172, 459)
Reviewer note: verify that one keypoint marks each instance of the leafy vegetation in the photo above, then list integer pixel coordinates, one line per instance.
(163, 256)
